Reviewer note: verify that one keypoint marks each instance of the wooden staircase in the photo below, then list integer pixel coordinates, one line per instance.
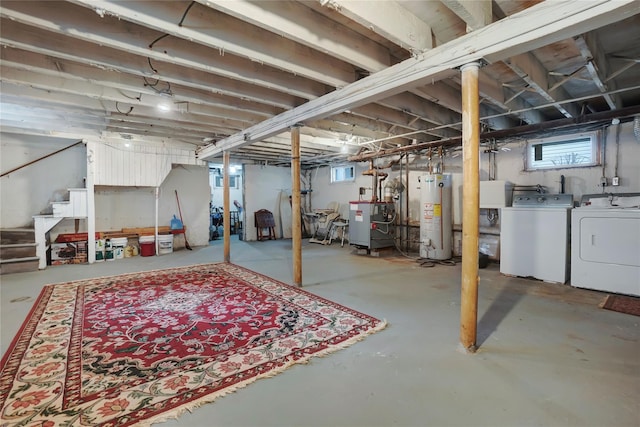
(75, 207)
(18, 251)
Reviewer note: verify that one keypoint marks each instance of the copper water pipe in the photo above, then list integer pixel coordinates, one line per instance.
(375, 173)
(374, 177)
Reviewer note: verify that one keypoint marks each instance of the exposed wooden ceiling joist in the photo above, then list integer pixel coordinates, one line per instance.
(529, 69)
(227, 67)
(118, 34)
(228, 35)
(301, 24)
(389, 19)
(476, 13)
(498, 41)
(597, 67)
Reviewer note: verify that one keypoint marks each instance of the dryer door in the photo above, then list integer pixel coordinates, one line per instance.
(610, 240)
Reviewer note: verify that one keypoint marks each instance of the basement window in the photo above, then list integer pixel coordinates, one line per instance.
(342, 173)
(233, 181)
(571, 151)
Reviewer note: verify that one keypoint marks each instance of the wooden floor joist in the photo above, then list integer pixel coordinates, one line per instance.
(537, 26)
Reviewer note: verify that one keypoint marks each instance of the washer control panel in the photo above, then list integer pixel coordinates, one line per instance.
(544, 200)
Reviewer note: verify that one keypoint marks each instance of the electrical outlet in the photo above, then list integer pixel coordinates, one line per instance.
(603, 181)
(615, 181)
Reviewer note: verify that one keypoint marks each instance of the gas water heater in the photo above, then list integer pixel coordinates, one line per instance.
(435, 216)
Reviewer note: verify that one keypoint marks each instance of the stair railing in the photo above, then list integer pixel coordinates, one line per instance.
(41, 158)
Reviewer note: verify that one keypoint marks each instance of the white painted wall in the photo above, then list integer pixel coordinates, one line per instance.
(262, 187)
(126, 207)
(510, 167)
(217, 193)
(138, 163)
(324, 192)
(130, 207)
(30, 190)
(578, 181)
(192, 183)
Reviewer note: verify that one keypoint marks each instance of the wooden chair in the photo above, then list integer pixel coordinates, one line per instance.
(264, 220)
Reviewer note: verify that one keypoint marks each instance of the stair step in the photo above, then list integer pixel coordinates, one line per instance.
(19, 265)
(9, 236)
(17, 250)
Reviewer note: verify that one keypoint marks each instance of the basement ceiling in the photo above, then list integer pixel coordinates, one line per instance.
(201, 72)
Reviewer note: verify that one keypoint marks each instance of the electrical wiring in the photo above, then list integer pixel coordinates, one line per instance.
(127, 113)
(137, 98)
(166, 91)
(184, 15)
(157, 40)
(151, 85)
(151, 65)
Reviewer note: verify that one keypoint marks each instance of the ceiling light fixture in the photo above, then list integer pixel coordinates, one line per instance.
(164, 107)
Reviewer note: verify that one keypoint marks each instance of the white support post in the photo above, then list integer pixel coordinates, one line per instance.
(91, 205)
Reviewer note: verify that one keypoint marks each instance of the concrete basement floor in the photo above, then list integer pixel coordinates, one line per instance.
(548, 356)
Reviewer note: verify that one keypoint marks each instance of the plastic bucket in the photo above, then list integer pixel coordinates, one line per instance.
(147, 245)
(100, 249)
(118, 244)
(165, 244)
(130, 251)
(108, 250)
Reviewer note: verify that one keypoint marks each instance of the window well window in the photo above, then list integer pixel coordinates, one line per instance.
(569, 151)
(233, 181)
(342, 173)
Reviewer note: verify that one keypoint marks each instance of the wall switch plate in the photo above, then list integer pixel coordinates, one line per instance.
(615, 181)
(603, 181)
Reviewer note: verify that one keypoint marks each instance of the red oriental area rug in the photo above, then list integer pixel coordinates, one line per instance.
(143, 347)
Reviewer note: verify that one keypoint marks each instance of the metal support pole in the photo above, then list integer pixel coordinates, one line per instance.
(406, 189)
(470, 205)
(296, 225)
(91, 203)
(226, 214)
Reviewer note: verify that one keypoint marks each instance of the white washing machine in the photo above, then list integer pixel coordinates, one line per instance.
(534, 237)
(605, 244)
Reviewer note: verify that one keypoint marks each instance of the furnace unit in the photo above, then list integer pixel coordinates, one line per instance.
(371, 224)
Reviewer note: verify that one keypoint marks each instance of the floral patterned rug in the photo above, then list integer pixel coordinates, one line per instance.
(143, 347)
